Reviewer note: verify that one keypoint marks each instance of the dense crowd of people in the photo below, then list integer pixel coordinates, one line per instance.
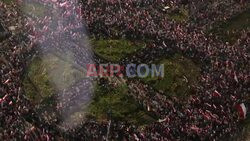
(12, 62)
(208, 114)
(224, 81)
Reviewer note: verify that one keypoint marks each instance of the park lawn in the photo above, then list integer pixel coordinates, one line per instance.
(36, 82)
(114, 102)
(47, 74)
(115, 50)
(34, 9)
(179, 15)
(8, 1)
(62, 71)
(177, 70)
(230, 30)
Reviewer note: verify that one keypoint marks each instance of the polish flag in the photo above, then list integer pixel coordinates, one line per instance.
(242, 110)
(216, 94)
(195, 128)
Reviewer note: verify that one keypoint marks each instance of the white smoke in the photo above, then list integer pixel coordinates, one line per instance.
(57, 27)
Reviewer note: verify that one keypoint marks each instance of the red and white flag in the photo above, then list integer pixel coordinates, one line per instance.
(242, 110)
(216, 94)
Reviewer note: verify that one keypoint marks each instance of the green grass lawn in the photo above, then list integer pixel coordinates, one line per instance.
(114, 102)
(179, 15)
(115, 50)
(230, 30)
(179, 74)
(8, 1)
(48, 74)
(37, 84)
(34, 9)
